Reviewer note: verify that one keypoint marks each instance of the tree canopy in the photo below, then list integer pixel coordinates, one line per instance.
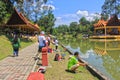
(47, 22)
(83, 26)
(110, 7)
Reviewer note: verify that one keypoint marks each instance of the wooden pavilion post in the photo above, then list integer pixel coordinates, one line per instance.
(105, 51)
(105, 30)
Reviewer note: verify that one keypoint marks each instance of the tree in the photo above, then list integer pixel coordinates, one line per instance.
(2, 12)
(85, 25)
(110, 7)
(73, 26)
(33, 9)
(83, 21)
(47, 21)
(62, 29)
(6, 8)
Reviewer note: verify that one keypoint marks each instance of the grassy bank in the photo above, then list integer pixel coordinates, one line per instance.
(56, 69)
(6, 47)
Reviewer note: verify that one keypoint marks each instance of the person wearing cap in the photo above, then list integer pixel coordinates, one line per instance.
(41, 41)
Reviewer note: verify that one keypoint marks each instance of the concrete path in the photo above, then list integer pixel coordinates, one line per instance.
(18, 68)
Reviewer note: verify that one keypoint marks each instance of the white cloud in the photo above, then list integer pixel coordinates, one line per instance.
(68, 18)
(82, 13)
(92, 16)
(58, 18)
(87, 15)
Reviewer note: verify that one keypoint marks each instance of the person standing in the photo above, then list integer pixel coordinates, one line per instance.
(48, 38)
(16, 45)
(41, 41)
(56, 44)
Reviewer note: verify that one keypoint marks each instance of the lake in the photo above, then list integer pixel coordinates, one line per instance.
(103, 54)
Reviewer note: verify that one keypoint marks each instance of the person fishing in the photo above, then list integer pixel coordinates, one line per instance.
(73, 63)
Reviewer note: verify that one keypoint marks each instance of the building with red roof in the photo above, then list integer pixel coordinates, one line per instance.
(19, 22)
(107, 29)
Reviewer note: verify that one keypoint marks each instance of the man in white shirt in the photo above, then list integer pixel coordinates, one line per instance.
(41, 41)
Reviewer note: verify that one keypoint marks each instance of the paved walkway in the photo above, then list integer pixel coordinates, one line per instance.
(18, 68)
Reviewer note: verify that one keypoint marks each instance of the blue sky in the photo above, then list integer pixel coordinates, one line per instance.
(67, 11)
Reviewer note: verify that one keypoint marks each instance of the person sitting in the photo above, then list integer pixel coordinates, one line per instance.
(57, 57)
(73, 63)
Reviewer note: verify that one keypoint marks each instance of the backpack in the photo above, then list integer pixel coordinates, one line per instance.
(57, 57)
(15, 43)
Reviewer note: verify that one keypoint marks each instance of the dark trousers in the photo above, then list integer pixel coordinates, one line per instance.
(56, 47)
(40, 48)
(16, 50)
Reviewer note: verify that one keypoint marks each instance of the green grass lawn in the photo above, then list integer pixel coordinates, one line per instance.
(56, 71)
(6, 47)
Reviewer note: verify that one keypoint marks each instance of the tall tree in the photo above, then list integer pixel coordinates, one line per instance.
(110, 7)
(62, 29)
(2, 12)
(73, 26)
(83, 21)
(6, 8)
(47, 21)
(32, 8)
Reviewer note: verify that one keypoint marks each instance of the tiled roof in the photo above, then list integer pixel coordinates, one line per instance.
(100, 23)
(18, 19)
(113, 21)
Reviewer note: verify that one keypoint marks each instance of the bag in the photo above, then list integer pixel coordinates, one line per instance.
(44, 42)
(16, 45)
(42, 69)
(57, 57)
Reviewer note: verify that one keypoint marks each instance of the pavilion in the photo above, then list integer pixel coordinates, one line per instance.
(107, 29)
(18, 22)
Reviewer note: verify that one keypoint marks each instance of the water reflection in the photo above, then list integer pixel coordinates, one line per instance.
(110, 49)
(102, 54)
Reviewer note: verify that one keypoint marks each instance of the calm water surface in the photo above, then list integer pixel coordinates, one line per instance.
(103, 54)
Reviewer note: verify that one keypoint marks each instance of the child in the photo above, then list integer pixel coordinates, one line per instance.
(16, 45)
(56, 43)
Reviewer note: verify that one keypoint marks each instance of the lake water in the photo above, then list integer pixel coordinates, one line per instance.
(103, 54)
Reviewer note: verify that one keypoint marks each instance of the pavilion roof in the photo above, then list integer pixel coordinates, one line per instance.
(100, 23)
(17, 19)
(113, 21)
